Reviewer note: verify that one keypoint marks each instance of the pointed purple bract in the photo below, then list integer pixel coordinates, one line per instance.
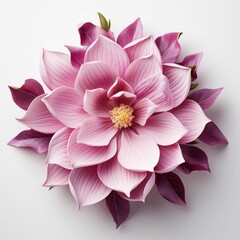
(212, 135)
(169, 47)
(118, 207)
(24, 95)
(30, 138)
(171, 188)
(130, 33)
(89, 33)
(193, 61)
(195, 159)
(205, 97)
(77, 55)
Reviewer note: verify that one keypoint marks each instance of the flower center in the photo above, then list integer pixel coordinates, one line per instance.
(122, 116)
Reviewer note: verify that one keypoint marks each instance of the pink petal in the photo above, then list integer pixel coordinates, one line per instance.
(169, 47)
(164, 128)
(66, 105)
(119, 85)
(57, 153)
(30, 138)
(130, 33)
(86, 187)
(105, 50)
(121, 92)
(143, 110)
(83, 155)
(142, 190)
(193, 118)
(137, 153)
(96, 103)
(123, 97)
(77, 55)
(56, 176)
(179, 79)
(39, 118)
(205, 97)
(56, 70)
(141, 69)
(24, 95)
(143, 47)
(114, 176)
(96, 131)
(170, 158)
(89, 33)
(94, 75)
(156, 88)
(192, 60)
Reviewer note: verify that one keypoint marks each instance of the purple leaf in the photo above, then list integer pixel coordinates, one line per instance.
(171, 188)
(30, 138)
(89, 33)
(118, 207)
(205, 97)
(130, 33)
(169, 47)
(212, 135)
(77, 55)
(24, 95)
(195, 159)
(192, 61)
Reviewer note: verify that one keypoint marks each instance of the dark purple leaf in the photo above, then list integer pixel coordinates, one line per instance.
(118, 207)
(195, 159)
(130, 33)
(171, 188)
(89, 33)
(205, 97)
(193, 142)
(212, 135)
(192, 61)
(30, 138)
(24, 95)
(77, 55)
(169, 47)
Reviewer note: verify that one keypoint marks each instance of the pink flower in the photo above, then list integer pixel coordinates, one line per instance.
(118, 112)
(123, 110)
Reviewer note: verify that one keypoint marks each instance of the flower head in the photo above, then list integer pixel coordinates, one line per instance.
(118, 115)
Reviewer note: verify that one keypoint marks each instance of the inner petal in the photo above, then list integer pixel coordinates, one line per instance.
(118, 86)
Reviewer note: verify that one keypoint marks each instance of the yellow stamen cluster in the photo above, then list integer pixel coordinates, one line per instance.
(122, 116)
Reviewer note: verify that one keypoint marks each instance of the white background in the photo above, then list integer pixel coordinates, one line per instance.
(30, 211)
